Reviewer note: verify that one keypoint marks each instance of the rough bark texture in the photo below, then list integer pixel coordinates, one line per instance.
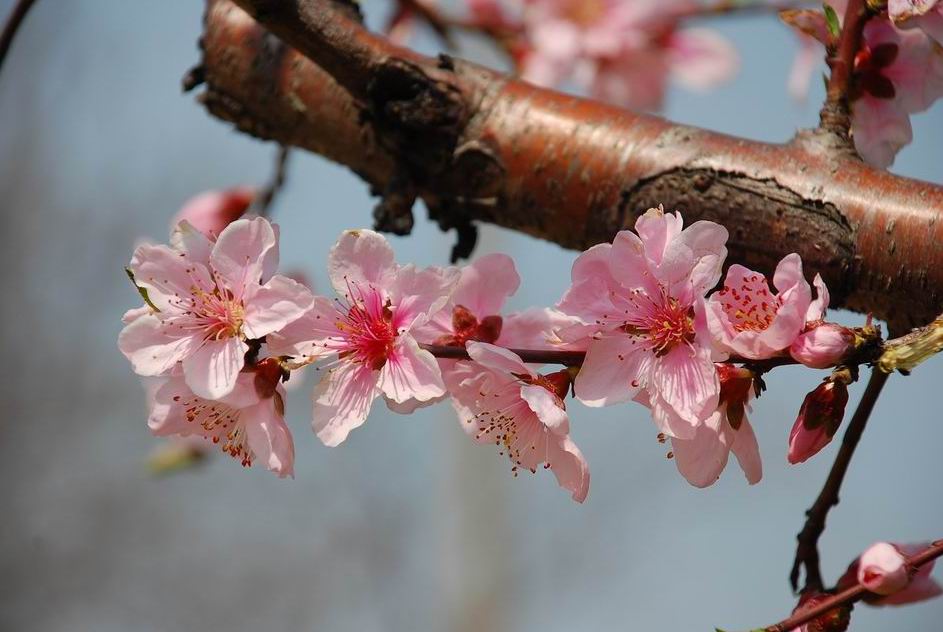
(477, 146)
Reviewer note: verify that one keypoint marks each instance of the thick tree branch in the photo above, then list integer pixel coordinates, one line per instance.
(852, 594)
(807, 552)
(478, 146)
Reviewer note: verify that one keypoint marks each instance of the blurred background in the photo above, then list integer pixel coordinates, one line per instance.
(408, 526)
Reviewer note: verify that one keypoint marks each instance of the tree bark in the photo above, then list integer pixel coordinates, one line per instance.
(478, 146)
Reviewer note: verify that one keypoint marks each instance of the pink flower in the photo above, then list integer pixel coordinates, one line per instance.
(622, 52)
(819, 418)
(642, 302)
(503, 401)
(248, 422)
(702, 458)
(897, 73)
(926, 15)
(883, 570)
(212, 211)
(207, 300)
(369, 331)
(745, 318)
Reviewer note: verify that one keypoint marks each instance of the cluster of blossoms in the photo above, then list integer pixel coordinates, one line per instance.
(617, 51)
(220, 331)
(897, 72)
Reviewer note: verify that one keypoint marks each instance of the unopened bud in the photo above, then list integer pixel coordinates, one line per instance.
(735, 385)
(819, 418)
(825, 345)
(212, 211)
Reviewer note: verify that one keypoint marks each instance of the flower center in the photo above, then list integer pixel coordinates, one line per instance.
(368, 329)
(750, 307)
(219, 313)
(218, 422)
(666, 323)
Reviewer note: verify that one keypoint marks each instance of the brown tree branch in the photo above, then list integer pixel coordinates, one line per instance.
(807, 552)
(478, 146)
(262, 204)
(12, 25)
(852, 594)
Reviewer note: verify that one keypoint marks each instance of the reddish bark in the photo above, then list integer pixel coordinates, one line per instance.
(475, 145)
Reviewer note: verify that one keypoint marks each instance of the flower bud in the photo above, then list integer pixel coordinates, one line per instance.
(819, 418)
(212, 211)
(882, 569)
(825, 345)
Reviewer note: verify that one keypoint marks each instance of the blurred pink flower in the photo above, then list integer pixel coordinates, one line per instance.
(926, 15)
(212, 211)
(370, 331)
(207, 299)
(745, 318)
(503, 401)
(248, 423)
(621, 52)
(641, 301)
(897, 73)
(882, 569)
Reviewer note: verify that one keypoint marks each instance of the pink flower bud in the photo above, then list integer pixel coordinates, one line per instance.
(818, 419)
(735, 386)
(212, 211)
(825, 345)
(882, 569)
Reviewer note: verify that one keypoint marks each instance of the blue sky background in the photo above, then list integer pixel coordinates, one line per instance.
(408, 526)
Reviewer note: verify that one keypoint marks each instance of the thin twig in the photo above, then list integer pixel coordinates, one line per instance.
(262, 204)
(12, 25)
(852, 594)
(835, 116)
(807, 553)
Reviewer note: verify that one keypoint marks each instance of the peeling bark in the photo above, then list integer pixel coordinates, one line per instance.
(477, 146)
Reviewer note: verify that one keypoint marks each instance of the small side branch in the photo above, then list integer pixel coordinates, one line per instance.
(835, 116)
(262, 204)
(807, 552)
(853, 594)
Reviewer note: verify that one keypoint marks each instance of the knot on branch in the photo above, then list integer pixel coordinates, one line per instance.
(419, 114)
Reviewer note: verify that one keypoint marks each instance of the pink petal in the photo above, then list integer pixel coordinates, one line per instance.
(308, 336)
(615, 368)
(702, 59)
(212, 211)
(190, 241)
(747, 450)
(360, 257)
(269, 437)
(589, 296)
(167, 274)
(147, 342)
(880, 130)
(819, 305)
(920, 589)
(342, 401)
(692, 262)
(246, 253)
(628, 264)
(687, 381)
(417, 293)
(486, 284)
(701, 459)
(534, 328)
(411, 372)
(657, 229)
(570, 467)
(270, 307)
(212, 369)
(497, 358)
(546, 406)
